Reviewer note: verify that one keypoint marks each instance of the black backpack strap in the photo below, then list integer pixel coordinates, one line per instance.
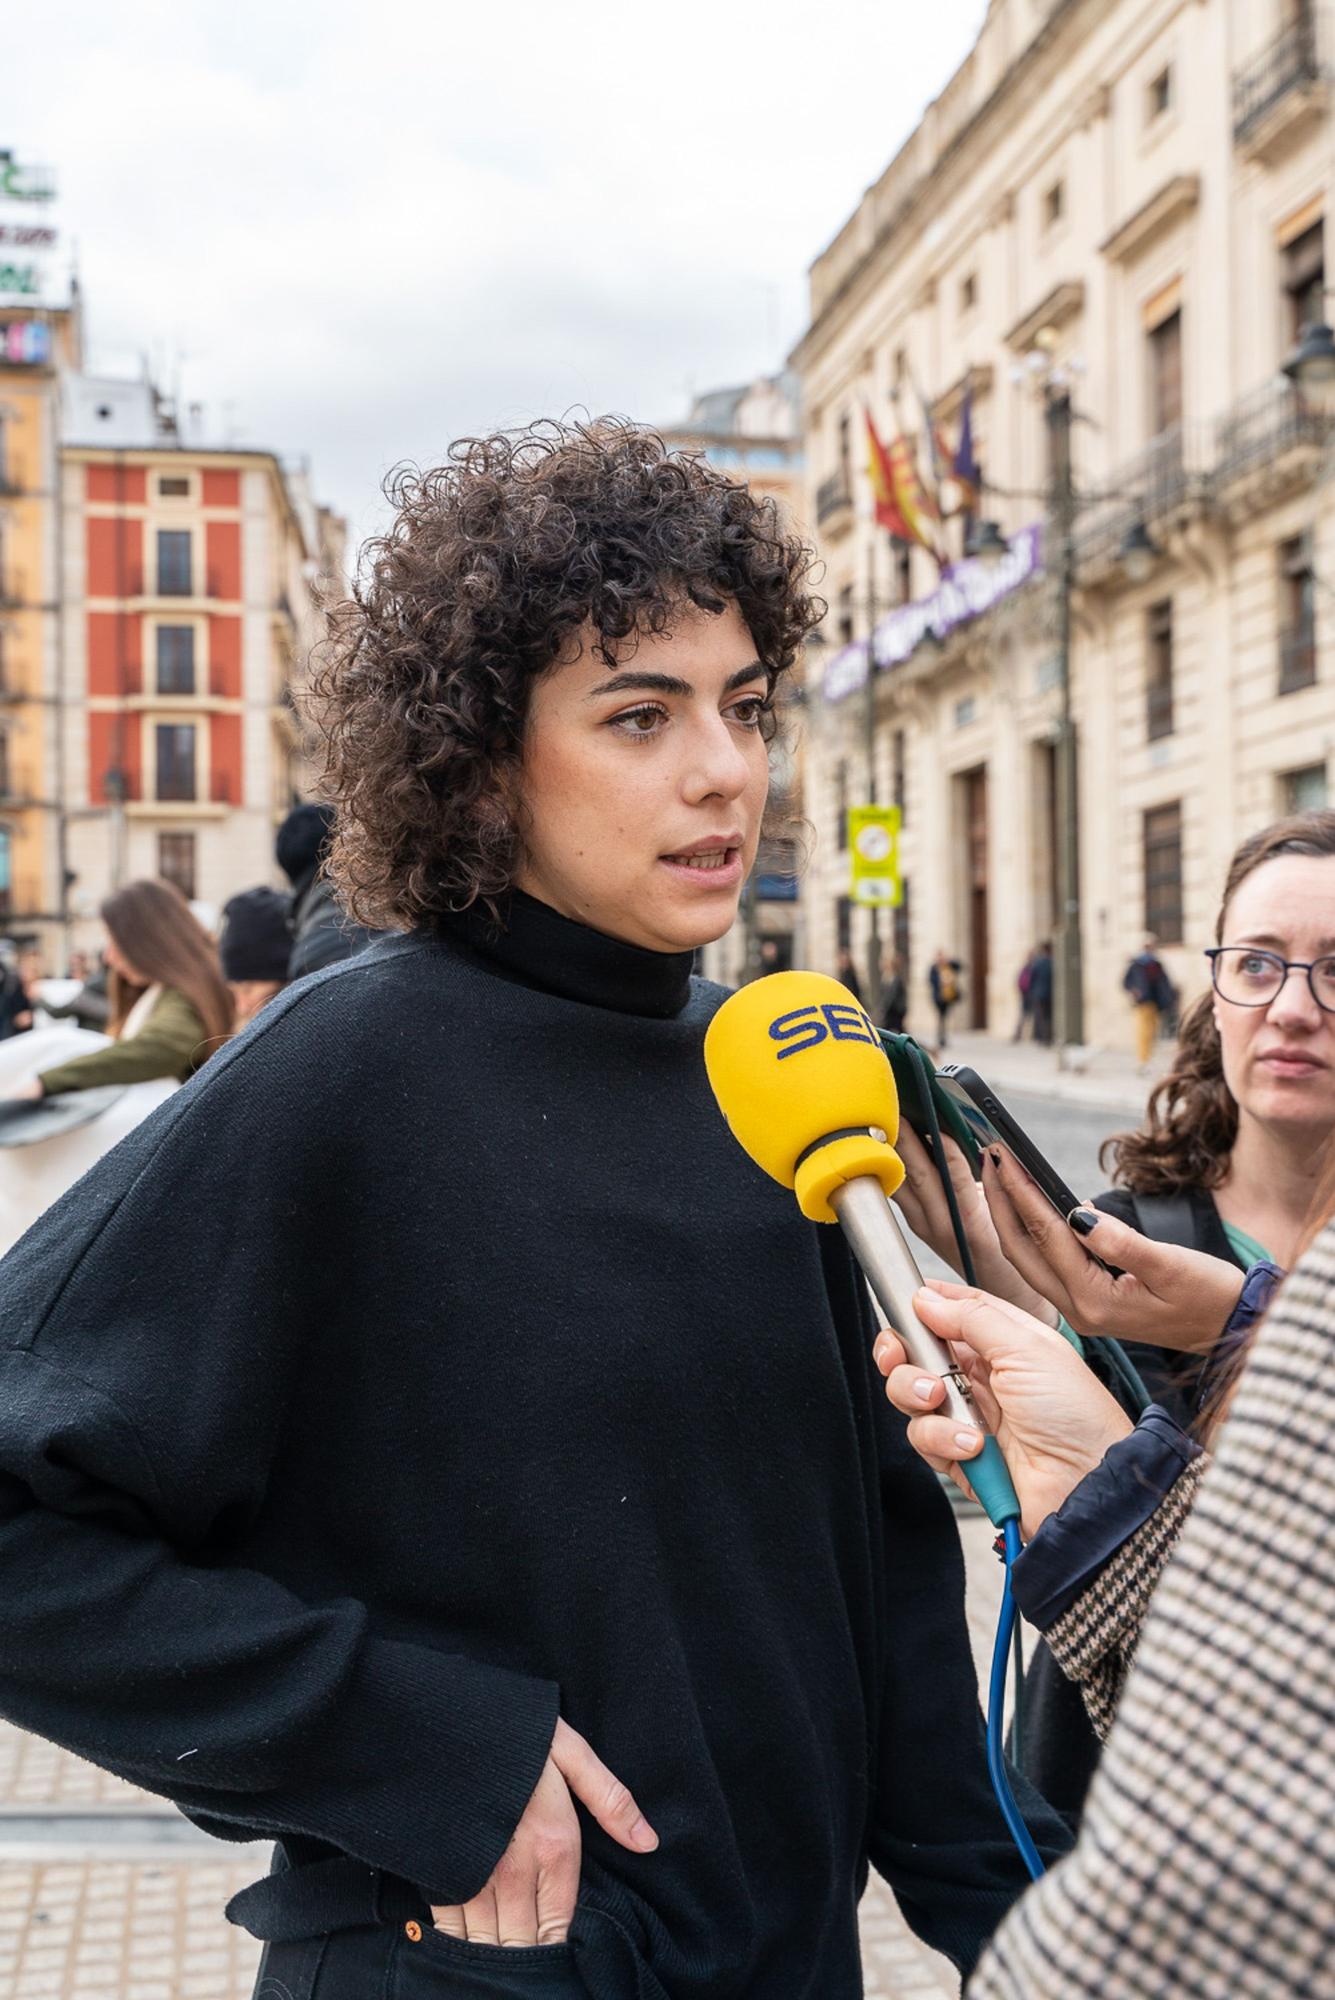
(1167, 1218)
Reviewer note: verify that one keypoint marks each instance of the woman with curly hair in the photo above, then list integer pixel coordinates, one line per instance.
(477, 1481)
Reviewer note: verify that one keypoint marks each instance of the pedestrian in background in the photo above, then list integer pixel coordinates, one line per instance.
(90, 1007)
(845, 970)
(322, 932)
(1024, 980)
(170, 1007)
(894, 995)
(1040, 992)
(944, 981)
(15, 1006)
(1152, 997)
(255, 946)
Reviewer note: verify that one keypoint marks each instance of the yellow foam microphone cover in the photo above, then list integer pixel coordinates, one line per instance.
(805, 1085)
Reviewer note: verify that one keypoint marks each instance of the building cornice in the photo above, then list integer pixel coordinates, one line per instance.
(1175, 199)
(1062, 303)
(931, 187)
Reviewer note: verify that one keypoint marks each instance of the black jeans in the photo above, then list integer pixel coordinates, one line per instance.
(413, 1962)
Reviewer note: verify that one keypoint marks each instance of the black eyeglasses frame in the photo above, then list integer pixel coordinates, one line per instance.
(1307, 965)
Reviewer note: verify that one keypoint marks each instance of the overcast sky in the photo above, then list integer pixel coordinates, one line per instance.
(358, 231)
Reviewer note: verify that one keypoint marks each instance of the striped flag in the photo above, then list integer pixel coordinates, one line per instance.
(881, 474)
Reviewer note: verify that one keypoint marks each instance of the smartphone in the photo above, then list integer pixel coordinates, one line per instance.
(990, 1124)
(914, 1080)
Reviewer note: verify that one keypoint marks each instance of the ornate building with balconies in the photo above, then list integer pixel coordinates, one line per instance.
(1117, 209)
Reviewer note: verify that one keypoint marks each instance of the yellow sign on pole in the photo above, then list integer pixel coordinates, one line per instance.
(873, 844)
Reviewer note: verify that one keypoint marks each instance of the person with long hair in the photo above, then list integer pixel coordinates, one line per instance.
(492, 1439)
(1224, 1163)
(170, 1008)
(1189, 1598)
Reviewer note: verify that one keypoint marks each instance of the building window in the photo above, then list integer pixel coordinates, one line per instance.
(1163, 873)
(175, 760)
(1297, 616)
(176, 659)
(1054, 204)
(6, 871)
(174, 488)
(845, 453)
(968, 293)
(176, 862)
(1303, 791)
(1160, 94)
(1159, 670)
(841, 806)
(6, 785)
(1166, 375)
(174, 577)
(899, 774)
(845, 615)
(1305, 279)
(903, 554)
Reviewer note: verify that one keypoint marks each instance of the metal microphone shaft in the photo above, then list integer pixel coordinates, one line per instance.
(877, 1240)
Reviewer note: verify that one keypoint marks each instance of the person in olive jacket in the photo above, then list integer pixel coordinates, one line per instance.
(170, 1006)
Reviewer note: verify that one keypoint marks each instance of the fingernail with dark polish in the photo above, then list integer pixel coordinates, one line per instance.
(1083, 1220)
(995, 1158)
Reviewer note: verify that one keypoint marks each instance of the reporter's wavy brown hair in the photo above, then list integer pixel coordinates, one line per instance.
(496, 563)
(1191, 1121)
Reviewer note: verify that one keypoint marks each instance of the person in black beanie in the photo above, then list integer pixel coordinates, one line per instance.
(320, 933)
(429, 1442)
(255, 945)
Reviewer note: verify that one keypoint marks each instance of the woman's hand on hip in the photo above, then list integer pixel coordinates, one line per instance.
(1053, 1420)
(532, 1893)
(922, 1202)
(1167, 1296)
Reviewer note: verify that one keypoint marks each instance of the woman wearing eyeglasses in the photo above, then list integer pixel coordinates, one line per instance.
(1226, 1163)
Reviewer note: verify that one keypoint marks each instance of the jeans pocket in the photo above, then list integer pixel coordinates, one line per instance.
(434, 1965)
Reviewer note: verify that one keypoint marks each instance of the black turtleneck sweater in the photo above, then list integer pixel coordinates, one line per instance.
(432, 1363)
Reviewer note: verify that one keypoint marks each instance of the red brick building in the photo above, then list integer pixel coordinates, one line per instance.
(189, 603)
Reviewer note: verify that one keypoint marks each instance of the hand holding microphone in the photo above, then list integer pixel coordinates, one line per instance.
(803, 1081)
(1052, 1418)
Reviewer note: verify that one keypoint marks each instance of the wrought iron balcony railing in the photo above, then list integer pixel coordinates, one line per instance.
(832, 496)
(1169, 476)
(1264, 428)
(1290, 62)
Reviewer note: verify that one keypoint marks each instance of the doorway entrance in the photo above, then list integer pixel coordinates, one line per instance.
(974, 784)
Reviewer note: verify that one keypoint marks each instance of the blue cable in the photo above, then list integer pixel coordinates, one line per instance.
(996, 1705)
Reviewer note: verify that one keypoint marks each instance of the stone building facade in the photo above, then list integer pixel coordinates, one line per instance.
(1122, 202)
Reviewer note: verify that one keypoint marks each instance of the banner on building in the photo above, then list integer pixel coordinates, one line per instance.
(873, 846)
(29, 238)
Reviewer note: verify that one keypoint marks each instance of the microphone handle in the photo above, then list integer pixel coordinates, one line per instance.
(873, 1230)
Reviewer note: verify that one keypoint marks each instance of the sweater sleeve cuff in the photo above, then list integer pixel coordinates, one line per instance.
(426, 1768)
(1104, 1511)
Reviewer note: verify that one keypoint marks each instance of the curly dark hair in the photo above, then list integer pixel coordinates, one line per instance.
(1191, 1121)
(495, 561)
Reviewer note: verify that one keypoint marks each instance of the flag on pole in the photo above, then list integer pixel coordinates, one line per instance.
(967, 472)
(881, 474)
(935, 461)
(915, 507)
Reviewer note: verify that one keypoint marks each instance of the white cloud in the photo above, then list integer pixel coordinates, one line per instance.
(361, 232)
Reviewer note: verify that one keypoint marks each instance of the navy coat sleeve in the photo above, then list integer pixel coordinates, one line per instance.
(153, 1325)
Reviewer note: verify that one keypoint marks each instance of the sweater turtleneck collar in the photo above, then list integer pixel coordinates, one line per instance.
(539, 947)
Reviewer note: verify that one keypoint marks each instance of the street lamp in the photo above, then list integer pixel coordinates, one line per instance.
(1139, 552)
(1311, 366)
(817, 642)
(986, 544)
